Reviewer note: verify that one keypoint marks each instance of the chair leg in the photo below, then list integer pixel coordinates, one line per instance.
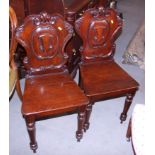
(81, 120)
(128, 134)
(80, 82)
(18, 88)
(32, 133)
(88, 113)
(127, 105)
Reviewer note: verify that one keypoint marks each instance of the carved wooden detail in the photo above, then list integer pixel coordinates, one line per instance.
(101, 77)
(32, 134)
(98, 28)
(81, 120)
(44, 37)
(69, 9)
(128, 101)
(88, 113)
(48, 85)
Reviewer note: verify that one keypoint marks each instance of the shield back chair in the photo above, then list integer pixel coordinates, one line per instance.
(49, 88)
(101, 77)
(14, 82)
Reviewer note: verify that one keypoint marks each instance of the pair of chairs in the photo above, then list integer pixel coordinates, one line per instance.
(49, 89)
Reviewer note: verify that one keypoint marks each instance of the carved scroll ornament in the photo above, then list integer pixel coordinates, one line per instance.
(98, 28)
(44, 37)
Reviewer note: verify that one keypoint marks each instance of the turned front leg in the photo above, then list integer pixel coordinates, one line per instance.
(88, 113)
(127, 105)
(81, 120)
(32, 133)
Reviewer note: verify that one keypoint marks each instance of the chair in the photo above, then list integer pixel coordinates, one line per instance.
(101, 77)
(49, 88)
(14, 82)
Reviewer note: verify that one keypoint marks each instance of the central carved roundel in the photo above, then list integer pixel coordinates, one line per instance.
(98, 33)
(45, 42)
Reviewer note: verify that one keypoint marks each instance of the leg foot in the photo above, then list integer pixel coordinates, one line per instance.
(127, 105)
(31, 131)
(88, 113)
(81, 119)
(123, 117)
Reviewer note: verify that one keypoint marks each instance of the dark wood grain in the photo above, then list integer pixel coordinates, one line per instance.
(70, 10)
(100, 76)
(48, 86)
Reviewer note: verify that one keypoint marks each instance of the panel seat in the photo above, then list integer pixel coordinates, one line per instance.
(52, 94)
(106, 79)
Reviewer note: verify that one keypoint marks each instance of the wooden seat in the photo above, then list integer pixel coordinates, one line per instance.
(61, 97)
(100, 76)
(108, 78)
(49, 88)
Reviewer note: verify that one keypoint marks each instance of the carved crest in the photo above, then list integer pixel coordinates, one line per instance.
(44, 37)
(98, 29)
(45, 42)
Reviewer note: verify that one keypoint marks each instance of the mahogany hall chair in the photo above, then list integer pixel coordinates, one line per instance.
(49, 89)
(100, 76)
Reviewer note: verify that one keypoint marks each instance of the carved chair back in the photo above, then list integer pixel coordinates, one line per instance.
(98, 28)
(44, 38)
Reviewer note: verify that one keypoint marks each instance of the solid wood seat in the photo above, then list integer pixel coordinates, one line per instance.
(100, 76)
(49, 88)
(51, 95)
(108, 78)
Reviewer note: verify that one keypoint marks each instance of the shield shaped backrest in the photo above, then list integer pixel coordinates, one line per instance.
(44, 38)
(98, 28)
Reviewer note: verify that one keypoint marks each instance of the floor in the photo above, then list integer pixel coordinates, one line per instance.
(106, 135)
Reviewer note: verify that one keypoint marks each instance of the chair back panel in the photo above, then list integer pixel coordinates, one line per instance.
(98, 28)
(44, 38)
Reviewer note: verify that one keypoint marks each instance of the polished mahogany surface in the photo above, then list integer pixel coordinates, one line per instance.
(70, 10)
(52, 94)
(100, 76)
(107, 80)
(101, 27)
(49, 88)
(44, 37)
